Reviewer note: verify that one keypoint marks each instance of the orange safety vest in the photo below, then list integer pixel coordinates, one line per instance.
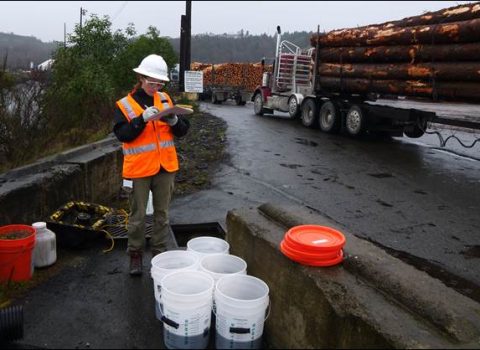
(154, 147)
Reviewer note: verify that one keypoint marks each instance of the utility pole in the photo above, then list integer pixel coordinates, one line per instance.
(181, 73)
(188, 35)
(83, 12)
(185, 35)
(64, 34)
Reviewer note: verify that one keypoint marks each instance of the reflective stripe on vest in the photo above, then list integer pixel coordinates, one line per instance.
(139, 149)
(147, 148)
(165, 144)
(128, 108)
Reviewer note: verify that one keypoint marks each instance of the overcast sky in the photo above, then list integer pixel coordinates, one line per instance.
(45, 19)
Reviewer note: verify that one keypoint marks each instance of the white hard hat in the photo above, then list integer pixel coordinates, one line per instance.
(153, 66)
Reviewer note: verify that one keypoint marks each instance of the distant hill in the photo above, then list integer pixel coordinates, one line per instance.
(209, 48)
(21, 50)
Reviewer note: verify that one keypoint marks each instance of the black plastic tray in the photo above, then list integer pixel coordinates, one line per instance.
(185, 232)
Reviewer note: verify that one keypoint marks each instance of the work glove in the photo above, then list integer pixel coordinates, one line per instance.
(149, 113)
(170, 119)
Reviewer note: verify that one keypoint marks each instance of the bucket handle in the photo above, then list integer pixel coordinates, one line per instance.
(238, 330)
(170, 322)
(269, 308)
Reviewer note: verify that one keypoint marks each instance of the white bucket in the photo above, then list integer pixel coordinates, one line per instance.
(219, 265)
(206, 245)
(187, 307)
(241, 304)
(165, 263)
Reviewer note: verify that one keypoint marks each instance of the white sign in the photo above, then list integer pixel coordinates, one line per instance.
(193, 81)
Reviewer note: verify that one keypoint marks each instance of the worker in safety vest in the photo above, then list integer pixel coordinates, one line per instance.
(149, 155)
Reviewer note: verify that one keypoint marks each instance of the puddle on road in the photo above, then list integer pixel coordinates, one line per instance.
(291, 166)
(305, 142)
(381, 175)
(461, 285)
(385, 204)
(472, 251)
(420, 192)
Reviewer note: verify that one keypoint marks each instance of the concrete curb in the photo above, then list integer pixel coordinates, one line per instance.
(448, 310)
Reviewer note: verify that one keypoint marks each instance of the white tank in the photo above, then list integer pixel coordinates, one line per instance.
(45, 251)
(266, 79)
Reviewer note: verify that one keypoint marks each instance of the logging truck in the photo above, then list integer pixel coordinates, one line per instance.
(328, 96)
(226, 81)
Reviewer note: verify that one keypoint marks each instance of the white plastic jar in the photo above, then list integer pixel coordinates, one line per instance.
(45, 251)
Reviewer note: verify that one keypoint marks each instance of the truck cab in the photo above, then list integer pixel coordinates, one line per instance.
(291, 80)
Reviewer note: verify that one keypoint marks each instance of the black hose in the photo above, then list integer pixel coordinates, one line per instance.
(443, 142)
(11, 323)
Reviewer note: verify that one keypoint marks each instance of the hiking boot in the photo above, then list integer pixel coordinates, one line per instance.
(136, 262)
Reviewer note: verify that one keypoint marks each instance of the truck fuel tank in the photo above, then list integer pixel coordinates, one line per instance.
(266, 78)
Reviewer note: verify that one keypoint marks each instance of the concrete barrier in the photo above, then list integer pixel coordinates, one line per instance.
(371, 300)
(91, 173)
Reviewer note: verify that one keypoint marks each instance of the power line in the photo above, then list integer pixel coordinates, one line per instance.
(120, 10)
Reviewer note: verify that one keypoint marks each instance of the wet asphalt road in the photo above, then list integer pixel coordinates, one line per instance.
(410, 196)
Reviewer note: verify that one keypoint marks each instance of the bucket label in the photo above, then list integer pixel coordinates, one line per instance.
(190, 322)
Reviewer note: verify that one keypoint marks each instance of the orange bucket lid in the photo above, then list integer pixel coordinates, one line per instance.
(307, 254)
(315, 237)
(312, 262)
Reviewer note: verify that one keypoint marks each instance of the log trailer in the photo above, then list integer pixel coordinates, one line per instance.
(325, 96)
(217, 89)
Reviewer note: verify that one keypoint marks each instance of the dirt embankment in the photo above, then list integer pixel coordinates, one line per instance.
(199, 152)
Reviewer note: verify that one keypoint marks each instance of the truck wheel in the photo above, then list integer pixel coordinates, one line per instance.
(239, 101)
(417, 130)
(293, 107)
(258, 104)
(329, 118)
(214, 98)
(355, 121)
(309, 116)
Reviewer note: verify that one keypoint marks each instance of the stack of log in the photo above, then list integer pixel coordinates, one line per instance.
(245, 76)
(435, 55)
(199, 66)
